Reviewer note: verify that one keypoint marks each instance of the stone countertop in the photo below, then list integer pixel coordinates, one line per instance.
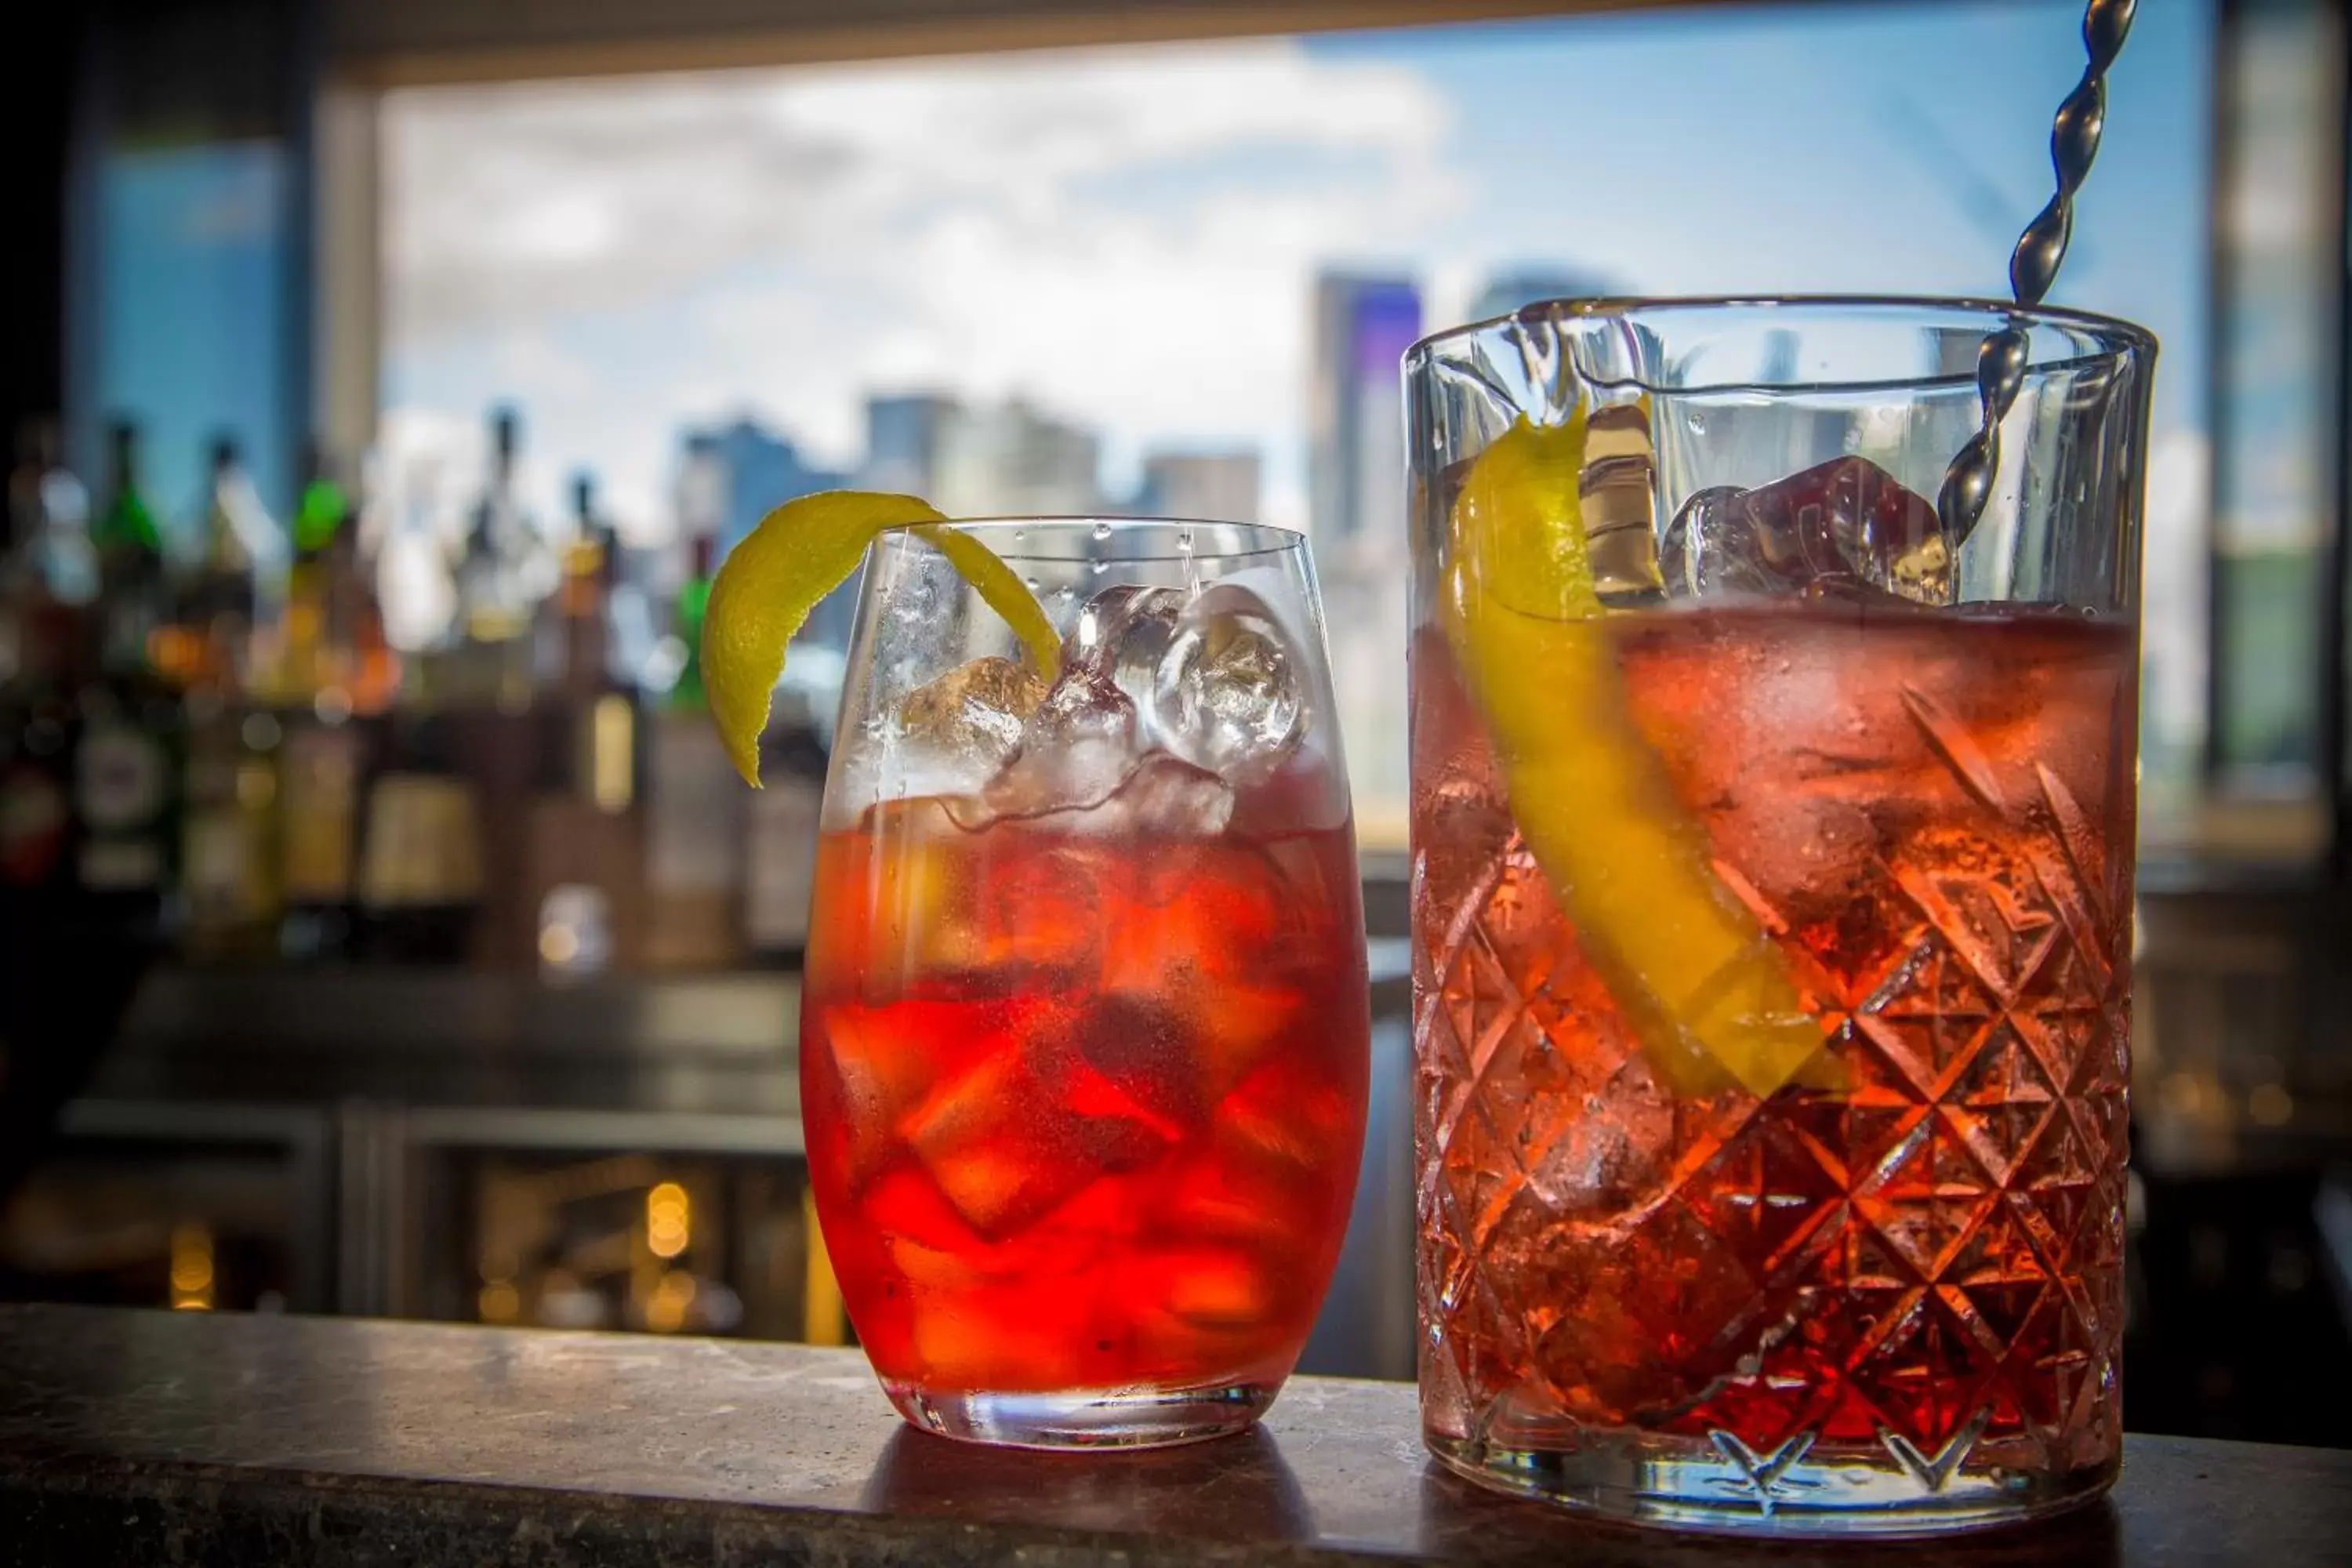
(155, 1438)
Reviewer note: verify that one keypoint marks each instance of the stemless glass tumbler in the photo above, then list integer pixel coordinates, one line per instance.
(1772, 854)
(1085, 1030)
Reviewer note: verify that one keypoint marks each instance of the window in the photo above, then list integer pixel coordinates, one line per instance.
(1176, 276)
(193, 284)
(185, 310)
(2278, 435)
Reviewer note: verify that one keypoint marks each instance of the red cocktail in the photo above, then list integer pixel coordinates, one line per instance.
(1920, 1239)
(1084, 1047)
(1772, 846)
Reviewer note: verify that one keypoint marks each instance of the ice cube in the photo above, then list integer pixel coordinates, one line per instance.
(877, 1075)
(1135, 1059)
(1212, 677)
(1216, 1288)
(974, 711)
(1074, 751)
(1603, 1152)
(1843, 528)
(1121, 635)
(1027, 1127)
(1040, 914)
(1225, 694)
(1616, 491)
(1165, 700)
(1164, 796)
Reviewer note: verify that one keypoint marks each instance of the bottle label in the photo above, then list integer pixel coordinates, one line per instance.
(120, 779)
(423, 842)
(320, 766)
(397, 870)
(220, 858)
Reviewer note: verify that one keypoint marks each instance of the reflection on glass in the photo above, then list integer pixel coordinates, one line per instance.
(1161, 1494)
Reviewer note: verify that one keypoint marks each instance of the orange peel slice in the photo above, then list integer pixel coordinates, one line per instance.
(1690, 964)
(802, 551)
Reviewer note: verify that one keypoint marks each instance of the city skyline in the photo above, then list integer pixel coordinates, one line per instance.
(1127, 238)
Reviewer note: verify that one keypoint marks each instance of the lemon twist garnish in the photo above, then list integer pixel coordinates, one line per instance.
(800, 553)
(1688, 963)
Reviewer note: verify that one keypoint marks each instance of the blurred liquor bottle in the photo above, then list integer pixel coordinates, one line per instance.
(574, 631)
(302, 662)
(633, 631)
(126, 763)
(232, 882)
(780, 859)
(127, 781)
(502, 577)
(323, 761)
(48, 563)
(321, 771)
(421, 867)
(223, 654)
(222, 599)
(586, 850)
(363, 662)
(37, 736)
(411, 579)
(488, 689)
(502, 759)
(41, 617)
(131, 568)
(695, 815)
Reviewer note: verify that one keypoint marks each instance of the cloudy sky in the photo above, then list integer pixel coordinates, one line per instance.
(1128, 237)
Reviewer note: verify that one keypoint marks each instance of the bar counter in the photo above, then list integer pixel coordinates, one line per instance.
(190, 1439)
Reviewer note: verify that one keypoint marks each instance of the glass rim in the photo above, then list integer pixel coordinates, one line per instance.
(1266, 538)
(2112, 335)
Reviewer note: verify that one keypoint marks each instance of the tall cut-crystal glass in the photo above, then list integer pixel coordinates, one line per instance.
(1084, 1033)
(1772, 879)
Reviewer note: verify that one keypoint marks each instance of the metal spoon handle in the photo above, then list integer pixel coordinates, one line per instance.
(2034, 266)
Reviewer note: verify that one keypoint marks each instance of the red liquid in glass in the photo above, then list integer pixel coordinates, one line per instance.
(1084, 1109)
(1916, 1248)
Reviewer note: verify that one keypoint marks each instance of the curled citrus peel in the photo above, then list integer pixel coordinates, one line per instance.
(1688, 963)
(800, 553)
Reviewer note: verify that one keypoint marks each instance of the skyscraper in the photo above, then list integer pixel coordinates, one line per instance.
(903, 431)
(1221, 486)
(1356, 501)
(1012, 459)
(737, 474)
(1355, 477)
(760, 470)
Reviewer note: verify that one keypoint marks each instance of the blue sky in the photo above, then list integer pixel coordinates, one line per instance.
(1128, 235)
(1888, 149)
(192, 291)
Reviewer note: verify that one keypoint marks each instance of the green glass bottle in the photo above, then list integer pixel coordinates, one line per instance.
(693, 600)
(324, 505)
(127, 523)
(129, 542)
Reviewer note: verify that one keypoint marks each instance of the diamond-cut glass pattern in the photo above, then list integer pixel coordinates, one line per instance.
(1914, 1256)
